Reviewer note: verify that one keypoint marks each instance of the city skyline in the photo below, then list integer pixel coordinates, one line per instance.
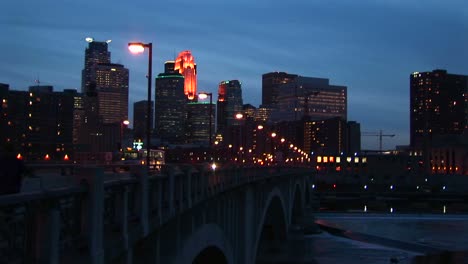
(372, 48)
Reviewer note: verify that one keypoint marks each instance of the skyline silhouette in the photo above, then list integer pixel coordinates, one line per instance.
(371, 47)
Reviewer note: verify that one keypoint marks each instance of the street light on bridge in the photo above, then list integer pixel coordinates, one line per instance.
(137, 48)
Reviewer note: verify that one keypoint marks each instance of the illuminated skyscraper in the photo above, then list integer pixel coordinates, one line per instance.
(185, 64)
(95, 53)
(107, 80)
(229, 104)
(105, 89)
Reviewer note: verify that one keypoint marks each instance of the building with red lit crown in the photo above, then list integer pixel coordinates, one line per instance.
(185, 64)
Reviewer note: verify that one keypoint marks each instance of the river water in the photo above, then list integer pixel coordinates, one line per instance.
(378, 238)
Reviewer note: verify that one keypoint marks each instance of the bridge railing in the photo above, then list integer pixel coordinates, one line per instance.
(100, 216)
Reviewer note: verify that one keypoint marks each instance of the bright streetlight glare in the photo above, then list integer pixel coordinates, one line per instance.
(239, 116)
(202, 96)
(136, 48)
(126, 122)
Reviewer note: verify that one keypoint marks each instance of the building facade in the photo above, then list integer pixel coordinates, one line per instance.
(271, 83)
(170, 106)
(105, 89)
(438, 106)
(198, 122)
(229, 104)
(39, 122)
(311, 97)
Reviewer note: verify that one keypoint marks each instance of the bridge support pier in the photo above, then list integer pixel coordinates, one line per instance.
(44, 229)
(142, 175)
(249, 202)
(94, 177)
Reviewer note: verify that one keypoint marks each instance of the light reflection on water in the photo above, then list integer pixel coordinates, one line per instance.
(446, 232)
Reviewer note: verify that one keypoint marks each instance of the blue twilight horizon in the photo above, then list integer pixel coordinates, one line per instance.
(370, 46)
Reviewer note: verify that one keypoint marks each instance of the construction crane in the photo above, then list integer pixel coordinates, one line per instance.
(380, 135)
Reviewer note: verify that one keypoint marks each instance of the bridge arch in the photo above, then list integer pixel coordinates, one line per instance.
(207, 242)
(210, 254)
(273, 221)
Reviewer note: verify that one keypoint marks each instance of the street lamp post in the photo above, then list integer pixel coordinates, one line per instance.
(240, 117)
(136, 48)
(203, 95)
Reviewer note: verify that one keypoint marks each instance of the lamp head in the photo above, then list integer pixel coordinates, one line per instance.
(136, 47)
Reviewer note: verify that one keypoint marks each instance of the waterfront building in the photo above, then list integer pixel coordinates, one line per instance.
(438, 106)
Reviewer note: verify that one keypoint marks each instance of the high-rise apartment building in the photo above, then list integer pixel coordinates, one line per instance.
(185, 65)
(438, 106)
(271, 85)
(170, 106)
(39, 122)
(229, 104)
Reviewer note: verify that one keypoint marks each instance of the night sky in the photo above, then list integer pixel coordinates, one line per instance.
(370, 46)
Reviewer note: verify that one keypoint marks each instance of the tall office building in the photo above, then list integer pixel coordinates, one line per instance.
(112, 91)
(438, 106)
(271, 85)
(170, 106)
(105, 88)
(185, 65)
(95, 53)
(311, 97)
(229, 104)
(109, 82)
